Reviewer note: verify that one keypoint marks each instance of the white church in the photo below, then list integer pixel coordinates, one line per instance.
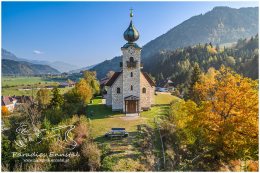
(131, 90)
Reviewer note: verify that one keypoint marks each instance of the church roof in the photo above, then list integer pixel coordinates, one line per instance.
(148, 78)
(117, 74)
(131, 44)
(113, 78)
(131, 34)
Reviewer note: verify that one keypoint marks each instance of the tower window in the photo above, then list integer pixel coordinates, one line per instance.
(131, 74)
(144, 90)
(131, 59)
(131, 87)
(118, 90)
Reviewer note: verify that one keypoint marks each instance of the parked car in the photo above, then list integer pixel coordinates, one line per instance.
(117, 132)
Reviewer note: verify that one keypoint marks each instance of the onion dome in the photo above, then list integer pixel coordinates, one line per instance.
(131, 34)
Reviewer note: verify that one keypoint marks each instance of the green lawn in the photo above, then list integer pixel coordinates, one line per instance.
(164, 98)
(14, 81)
(103, 119)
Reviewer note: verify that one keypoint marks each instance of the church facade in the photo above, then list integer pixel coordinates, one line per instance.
(131, 90)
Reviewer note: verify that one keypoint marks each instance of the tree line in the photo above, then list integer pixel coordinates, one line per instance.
(178, 65)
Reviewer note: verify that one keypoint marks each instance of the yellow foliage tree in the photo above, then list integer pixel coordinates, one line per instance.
(84, 90)
(230, 115)
(223, 127)
(90, 77)
(211, 49)
(43, 97)
(5, 111)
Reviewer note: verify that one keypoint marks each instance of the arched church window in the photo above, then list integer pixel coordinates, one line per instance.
(131, 87)
(131, 74)
(131, 59)
(144, 90)
(118, 90)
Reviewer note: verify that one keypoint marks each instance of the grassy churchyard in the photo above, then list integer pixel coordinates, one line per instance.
(102, 119)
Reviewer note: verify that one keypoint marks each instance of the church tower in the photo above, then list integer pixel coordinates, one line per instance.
(131, 69)
(130, 90)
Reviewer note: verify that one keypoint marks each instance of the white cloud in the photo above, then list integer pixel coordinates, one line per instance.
(37, 52)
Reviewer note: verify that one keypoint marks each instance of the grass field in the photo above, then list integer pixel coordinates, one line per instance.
(11, 85)
(103, 119)
(14, 81)
(164, 98)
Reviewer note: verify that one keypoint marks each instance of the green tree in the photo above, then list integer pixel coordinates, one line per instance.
(57, 99)
(43, 97)
(195, 76)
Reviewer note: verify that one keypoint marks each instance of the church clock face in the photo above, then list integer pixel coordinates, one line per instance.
(131, 50)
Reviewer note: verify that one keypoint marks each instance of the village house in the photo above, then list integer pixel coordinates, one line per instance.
(12, 102)
(130, 90)
(66, 84)
(165, 85)
(9, 103)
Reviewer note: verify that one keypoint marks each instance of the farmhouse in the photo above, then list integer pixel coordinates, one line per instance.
(130, 90)
(9, 103)
(166, 84)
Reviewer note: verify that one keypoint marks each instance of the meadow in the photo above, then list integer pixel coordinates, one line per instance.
(17, 85)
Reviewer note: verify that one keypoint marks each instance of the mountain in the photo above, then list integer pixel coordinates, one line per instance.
(221, 25)
(106, 66)
(177, 65)
(82, 69)
(12, 65)
(218, 26)
(22, 68)
(60, 66)
(8, 55)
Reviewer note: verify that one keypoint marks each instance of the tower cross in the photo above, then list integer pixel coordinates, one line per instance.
(131, 13)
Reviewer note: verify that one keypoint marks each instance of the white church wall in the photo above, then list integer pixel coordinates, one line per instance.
(129, 81)
(117, 98)
(145, 98)
(108, 97)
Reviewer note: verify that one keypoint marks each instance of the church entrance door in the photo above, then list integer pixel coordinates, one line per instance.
(131, 106)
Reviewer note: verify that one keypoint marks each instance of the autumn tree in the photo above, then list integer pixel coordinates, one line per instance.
(84, 91)
(43, 97)
(230, 116)
(222, 128)
(110, 74)
(90, 77)
(5, 111)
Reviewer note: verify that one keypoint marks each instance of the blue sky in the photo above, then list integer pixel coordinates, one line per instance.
(86, 33)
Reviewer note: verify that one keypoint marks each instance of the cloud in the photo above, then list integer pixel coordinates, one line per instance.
(37, 52)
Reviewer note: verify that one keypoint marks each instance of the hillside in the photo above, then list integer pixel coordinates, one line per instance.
(177, 65)
(60, 66)
(82, 69)
(22, 68)
(219, 26)
(104, 67)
